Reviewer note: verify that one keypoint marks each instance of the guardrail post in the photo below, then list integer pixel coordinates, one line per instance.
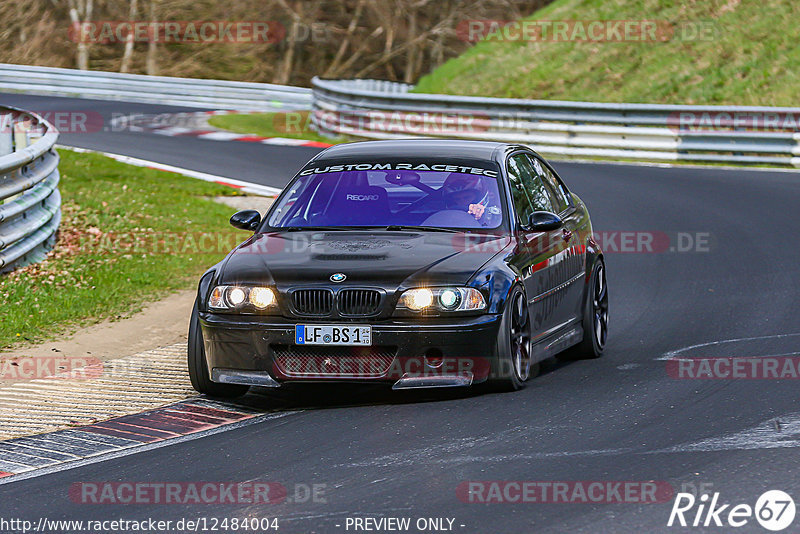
(30, 203)
(21, 129)
(6, 134)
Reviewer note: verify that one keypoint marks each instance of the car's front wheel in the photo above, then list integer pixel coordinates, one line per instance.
(513, 362)
(198, 370)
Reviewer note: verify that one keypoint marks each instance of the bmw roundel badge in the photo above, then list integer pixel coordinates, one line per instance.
(338, 277)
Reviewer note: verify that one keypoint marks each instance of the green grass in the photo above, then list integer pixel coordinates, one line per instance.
(292, 125)
(752, 57)
(129, 236)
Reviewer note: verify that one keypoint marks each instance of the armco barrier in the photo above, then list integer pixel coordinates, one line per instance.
(190, 92)
(30, 204)
(737, 134)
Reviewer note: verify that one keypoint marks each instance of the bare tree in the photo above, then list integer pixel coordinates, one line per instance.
(80, 12)
(351, 28)
(152, 45)
(295, 12)
(128, 54)
(391, 39)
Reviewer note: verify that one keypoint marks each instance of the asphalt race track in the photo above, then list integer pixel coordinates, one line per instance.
(620, 418)
(270, 165)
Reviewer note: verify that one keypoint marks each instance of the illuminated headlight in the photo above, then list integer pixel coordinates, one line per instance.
(261, 297)
(448, 299)
(242, 298)
(416, 299)
(236, 296)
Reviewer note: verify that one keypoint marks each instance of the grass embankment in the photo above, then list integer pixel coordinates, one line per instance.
(749, 56)
(129, 236)
(291, 125)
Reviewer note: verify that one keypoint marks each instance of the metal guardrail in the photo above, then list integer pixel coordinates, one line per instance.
(387, 110)
(190, 92)
(30, 204)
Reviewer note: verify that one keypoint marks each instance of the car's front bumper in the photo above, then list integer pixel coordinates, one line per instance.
(407, 352)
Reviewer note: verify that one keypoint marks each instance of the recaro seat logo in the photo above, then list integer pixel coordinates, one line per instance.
(774, 510)
(362, 198)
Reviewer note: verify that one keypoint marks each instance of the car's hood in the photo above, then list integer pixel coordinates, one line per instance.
(387, 259)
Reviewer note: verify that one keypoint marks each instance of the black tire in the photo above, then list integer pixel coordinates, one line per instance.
(198, 370)
(595, 318)
(512, 365)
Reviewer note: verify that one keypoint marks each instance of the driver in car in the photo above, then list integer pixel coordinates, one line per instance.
(468, 193)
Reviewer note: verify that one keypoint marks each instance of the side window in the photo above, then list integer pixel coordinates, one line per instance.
(557, 193)
(533, 195)
(534, 186)
(521, 203)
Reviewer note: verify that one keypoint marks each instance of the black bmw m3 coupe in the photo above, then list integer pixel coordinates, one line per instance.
(415, 263)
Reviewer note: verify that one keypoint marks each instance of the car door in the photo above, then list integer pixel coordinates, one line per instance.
(573, 263)
(540, 253)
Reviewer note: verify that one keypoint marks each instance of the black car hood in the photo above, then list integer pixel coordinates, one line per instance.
(387, 259)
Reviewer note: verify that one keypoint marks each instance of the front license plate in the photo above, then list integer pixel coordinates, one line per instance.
(306, 334)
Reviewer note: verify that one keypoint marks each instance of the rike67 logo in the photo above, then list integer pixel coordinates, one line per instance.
(774, 510)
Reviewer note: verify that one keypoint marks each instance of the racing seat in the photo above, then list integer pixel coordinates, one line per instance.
(363, 205)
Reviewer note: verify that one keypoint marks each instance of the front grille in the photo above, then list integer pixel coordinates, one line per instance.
(358, 301)
(313, 301)
(333, 362)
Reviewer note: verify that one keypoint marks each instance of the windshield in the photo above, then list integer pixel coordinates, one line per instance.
(391, 198)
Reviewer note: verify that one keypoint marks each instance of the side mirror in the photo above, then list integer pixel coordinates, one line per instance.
(246, 220)
(544, 221)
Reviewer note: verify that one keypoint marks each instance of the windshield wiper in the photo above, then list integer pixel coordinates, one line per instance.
(425, 228)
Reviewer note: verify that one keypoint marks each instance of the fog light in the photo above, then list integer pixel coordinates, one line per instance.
(434, 358)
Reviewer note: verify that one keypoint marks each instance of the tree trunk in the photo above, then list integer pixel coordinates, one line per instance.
(127, 55)
(285, 72)
(331, 70)
(78, 14)
(151, 66)
(412, 50)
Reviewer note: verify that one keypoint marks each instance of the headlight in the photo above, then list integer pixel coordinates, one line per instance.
(262, 297)
(242, 298)
(448, 299)
(236, 295)
(416, 299)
